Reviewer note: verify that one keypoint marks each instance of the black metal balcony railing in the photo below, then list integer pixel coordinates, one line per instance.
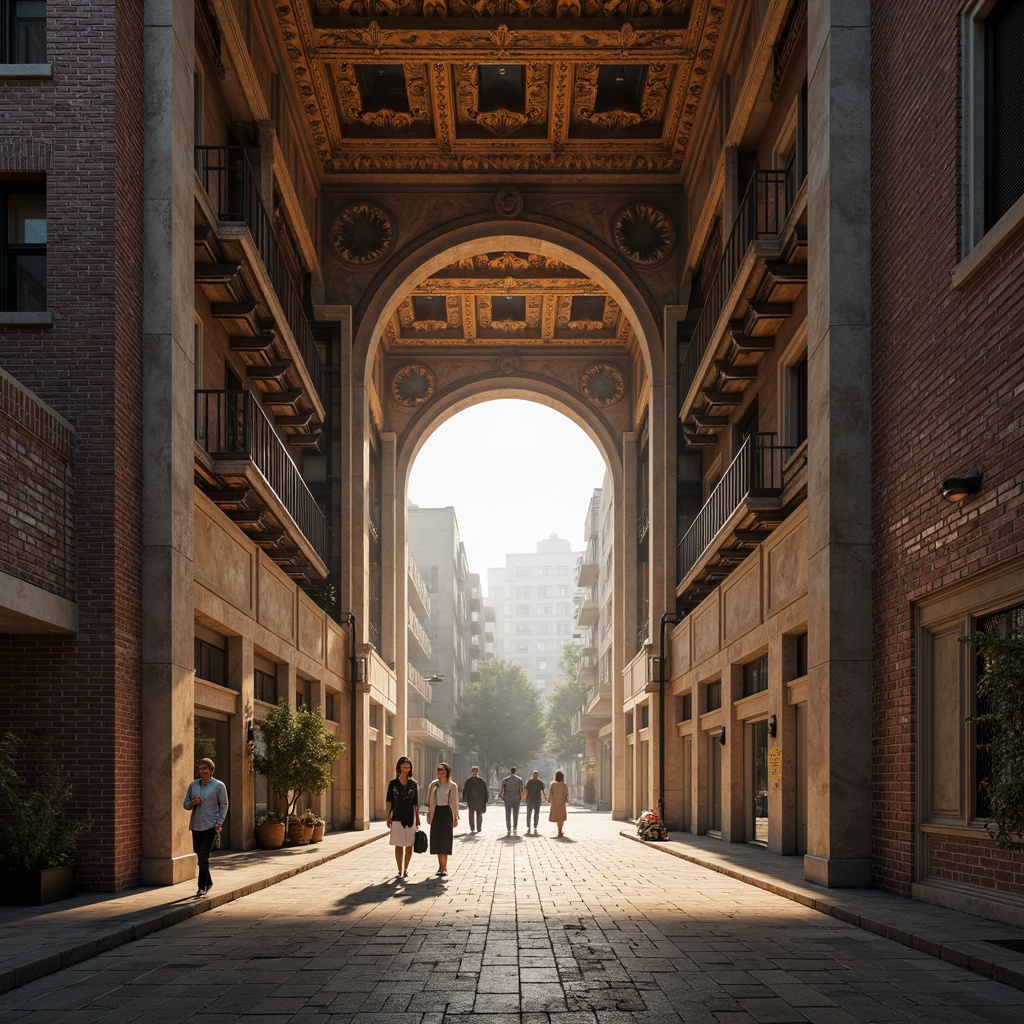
(230, 424)
(762, 211)
(757, 471)
(229, 181)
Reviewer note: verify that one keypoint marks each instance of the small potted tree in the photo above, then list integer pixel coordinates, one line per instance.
(295, 752)
(37, 836)
(316, 824)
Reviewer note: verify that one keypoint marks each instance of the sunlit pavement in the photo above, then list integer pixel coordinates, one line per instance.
(592, 927)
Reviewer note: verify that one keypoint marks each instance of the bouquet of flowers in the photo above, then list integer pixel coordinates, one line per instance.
(650, 827)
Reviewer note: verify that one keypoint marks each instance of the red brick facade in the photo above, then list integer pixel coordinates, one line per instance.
(81, 130)
(947, 370)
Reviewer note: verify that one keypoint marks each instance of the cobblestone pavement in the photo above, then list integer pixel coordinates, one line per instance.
(589, 928)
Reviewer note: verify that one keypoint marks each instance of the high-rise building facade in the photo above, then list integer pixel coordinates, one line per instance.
(534, 614)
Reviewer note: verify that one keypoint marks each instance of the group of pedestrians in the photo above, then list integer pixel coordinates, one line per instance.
(515, 792)
(403, 808)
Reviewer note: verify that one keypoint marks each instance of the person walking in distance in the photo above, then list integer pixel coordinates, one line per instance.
(512, 793)
(403, 800)
(558, 798)
(534, 795)
(474, 793)
(207, 799)
(442, 815)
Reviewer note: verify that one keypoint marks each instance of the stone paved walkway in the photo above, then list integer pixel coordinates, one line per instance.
(591, 928)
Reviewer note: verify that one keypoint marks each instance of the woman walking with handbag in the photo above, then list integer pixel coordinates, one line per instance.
(442, 815)
(403, 802)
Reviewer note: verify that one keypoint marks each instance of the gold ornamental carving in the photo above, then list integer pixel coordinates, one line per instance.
(413, 385)
(361, 233)
(643, 234)
(602, 384)
(505, 8)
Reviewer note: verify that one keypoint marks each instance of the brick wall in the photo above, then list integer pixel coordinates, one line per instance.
(37, 493)
(947, 367)
(82, 131)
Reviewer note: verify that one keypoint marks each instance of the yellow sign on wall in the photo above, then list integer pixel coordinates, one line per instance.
(774, 763)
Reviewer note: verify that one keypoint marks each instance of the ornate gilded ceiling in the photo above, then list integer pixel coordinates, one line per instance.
(477, 87)
(508, 298)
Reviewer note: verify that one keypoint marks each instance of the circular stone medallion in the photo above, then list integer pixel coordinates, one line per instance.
(412, 385)
(643, 234)
(361, 233)
(602, 384)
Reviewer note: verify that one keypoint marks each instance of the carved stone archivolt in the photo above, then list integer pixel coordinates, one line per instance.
(602, 384)
(361, 233)
(413, 385)
(643, 234)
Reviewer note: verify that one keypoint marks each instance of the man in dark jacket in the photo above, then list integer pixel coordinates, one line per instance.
(474, 795)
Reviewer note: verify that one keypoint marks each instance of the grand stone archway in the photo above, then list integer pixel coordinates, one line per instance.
(615, 385)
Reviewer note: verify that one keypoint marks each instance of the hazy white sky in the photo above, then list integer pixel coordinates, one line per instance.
(515, 472)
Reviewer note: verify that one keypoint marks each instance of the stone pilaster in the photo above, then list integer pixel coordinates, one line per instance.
(839, 467)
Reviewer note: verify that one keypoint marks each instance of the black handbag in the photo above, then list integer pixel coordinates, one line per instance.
(419, 844)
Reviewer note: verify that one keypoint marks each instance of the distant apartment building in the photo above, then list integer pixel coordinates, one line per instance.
(534, 615)
(593, 601)
(441, 626)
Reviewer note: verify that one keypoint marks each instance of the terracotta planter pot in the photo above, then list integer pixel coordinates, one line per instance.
(270, 836)
(318, 834)
(299, 834)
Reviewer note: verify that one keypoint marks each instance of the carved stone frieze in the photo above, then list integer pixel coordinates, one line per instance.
(504, 8)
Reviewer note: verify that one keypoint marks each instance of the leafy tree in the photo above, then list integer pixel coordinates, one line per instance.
(1000, 722)
(295, 753)
(564, 701)
(499, 717)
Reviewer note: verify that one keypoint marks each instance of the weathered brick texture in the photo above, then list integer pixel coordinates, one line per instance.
(947, 367)
(82, 131)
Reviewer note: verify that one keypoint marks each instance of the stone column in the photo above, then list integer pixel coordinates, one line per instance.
(240, 794)
(624, 610)
(839, 453)
(168, 604)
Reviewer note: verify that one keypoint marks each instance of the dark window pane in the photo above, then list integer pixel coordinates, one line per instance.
(1004, 109)
(29, 285)
(619, 87)
(383, 87)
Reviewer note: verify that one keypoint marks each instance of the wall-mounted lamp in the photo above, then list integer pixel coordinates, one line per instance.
(956, 488)
(360, 666)
(721, 735)
(773, 726)
(437, 677)
(655, 667)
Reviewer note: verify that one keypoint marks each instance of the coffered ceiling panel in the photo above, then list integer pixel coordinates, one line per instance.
(474, 87)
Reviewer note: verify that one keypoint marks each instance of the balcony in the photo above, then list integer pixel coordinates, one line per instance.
(244, 467)
(419, 684)
(241, 266)
(417, 586)
(419, 634)
(587, 609)
(587, 566)
(762, 272)
(424, 731)
(755, 494)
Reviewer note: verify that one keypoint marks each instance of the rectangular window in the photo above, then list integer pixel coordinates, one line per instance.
(264, 686)
(210, 662)
(333, 706)
(755, 676)
(684, 708)
(1009, 623)
(713, 696)
(23, 32)
(993, 133)
(22, 247)
(302, 688)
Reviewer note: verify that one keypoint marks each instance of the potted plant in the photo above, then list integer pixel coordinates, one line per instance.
(316, 823)
(269, 830)
(37, 837)
(295, 752)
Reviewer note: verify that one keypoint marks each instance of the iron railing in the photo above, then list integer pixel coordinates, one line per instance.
(229, 181)
(756, 472)
(762, 211)
(230, 424)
